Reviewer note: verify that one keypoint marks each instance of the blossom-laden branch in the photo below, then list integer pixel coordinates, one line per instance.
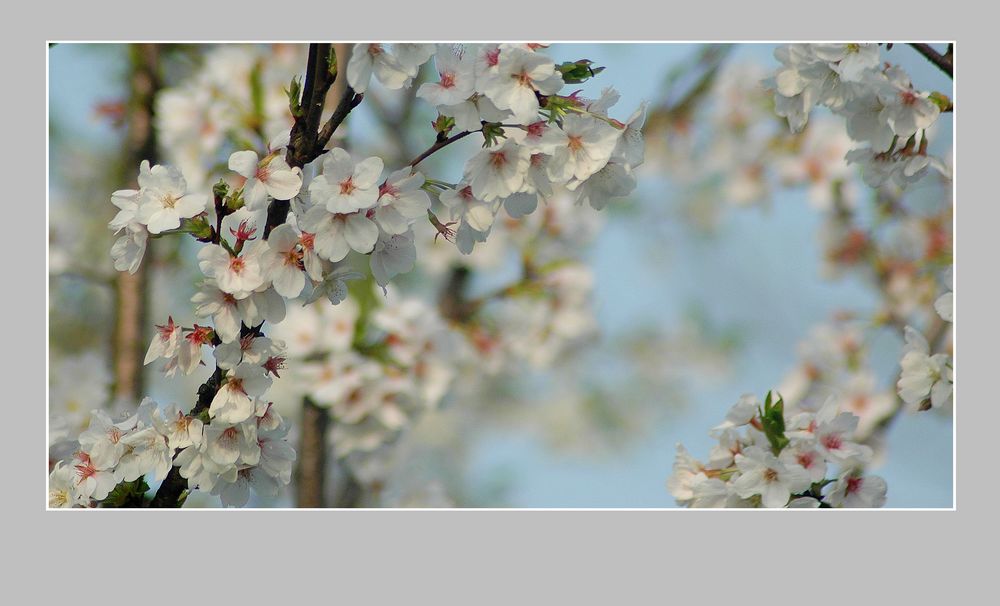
(306, 142)
(232, 439)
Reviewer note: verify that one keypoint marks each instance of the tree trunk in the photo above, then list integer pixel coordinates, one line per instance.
(131, 290)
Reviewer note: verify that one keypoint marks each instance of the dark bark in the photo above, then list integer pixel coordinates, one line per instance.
(311, 462)
(304, 147)
(944, 62)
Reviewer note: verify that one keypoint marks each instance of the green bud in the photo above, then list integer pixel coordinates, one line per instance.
(443, 125)
(294, 92)
(575, 72)
(220, 190)
(557, 107)
(772, 420)
(235, 200)
(197, 227)
(942, 101)
(491, 132)
(331, 62)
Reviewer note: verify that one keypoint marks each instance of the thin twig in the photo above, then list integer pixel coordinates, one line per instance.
(943, 62)
(439, 145)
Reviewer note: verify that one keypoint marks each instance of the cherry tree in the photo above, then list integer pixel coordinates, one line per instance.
(315, 356)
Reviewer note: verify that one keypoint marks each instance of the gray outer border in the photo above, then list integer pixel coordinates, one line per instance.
(495, 556)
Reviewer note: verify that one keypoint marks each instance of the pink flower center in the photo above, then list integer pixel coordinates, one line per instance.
(492, 57)
(263, 173)
(805, 459)
(237, 265)
(273, 365)
(165, 331)
(498, 159)
(575, 143)
(536, 129)
(246, 230)
(447, 80)
(307, 240)
(907, 97)
(85, 469)
(387, 189)
(770, 475)
(236, 385)
(523, 79)
(832, 441)
(347, 186)
(375, 49)
(854, 485)
(200, 335)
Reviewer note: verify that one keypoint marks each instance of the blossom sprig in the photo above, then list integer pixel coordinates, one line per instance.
(878, 101)
(769, 456)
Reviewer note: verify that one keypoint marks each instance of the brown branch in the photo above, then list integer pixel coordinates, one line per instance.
(320, 75)
(310, 470)
(170, 491)
(439, 145)
(349, 101)
(944, 62)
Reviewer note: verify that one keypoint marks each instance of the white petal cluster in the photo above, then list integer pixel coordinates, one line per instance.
(926, 380)
(817, 464)
(882, 109)
(537, 146)
(160, 204)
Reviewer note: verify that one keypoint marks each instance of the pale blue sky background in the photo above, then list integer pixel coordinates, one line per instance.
(732, 277)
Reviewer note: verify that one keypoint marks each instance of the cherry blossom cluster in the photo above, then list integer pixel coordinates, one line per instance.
(882, 109)
(834, 361)
(737, 154)
(236, 100)
(537, 144)
(927, 377)
(770, 456)
(375, 372)
(226, 459)
(534, 138)
(897, 246)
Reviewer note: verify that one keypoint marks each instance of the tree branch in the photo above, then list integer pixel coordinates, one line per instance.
(130, 290)
(310, 470)
(944, 62)
(440, 144)
(349, 101)
(320, 75)
(170, 491)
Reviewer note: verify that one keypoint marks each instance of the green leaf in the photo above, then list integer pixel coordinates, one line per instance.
(127, 494)
(257, 94)
(772, 419)
(294, 92)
